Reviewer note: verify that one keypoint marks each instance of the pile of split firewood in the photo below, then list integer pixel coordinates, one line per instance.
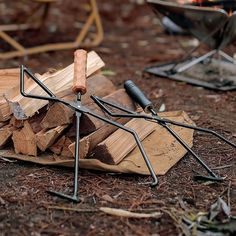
(31, 127)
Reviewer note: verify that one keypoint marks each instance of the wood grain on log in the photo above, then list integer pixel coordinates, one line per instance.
(91, 140)
(118, 145)
(45, 138)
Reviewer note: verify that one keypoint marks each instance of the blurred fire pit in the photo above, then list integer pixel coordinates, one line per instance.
(213, 22)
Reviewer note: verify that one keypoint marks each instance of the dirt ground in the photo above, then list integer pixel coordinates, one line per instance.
(133, 40)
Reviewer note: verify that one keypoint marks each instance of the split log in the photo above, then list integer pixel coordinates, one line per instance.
(35, 120)
(83, 148)
(45, 138)
(58, 82)
(90, 124)
(118, 145)
(65, 150)
(96, 137)
(61, 147)
(3, 124)
(57, 146)
(16, 123)
(5, 135)
(10, 90)
(24, 140)
(5, 111)
(58, 114)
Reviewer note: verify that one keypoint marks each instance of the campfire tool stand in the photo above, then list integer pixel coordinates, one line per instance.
(140, 98)
(80, 88)
(213, 27)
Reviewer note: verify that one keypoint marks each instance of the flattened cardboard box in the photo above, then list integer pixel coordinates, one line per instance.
(163, 150)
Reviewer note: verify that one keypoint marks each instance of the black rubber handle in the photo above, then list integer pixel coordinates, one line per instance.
(137, 95)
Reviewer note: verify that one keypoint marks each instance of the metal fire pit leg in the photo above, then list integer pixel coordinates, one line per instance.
(20, 50)
(227, 57)
(212, 26)
(75, 197)
(195, 61)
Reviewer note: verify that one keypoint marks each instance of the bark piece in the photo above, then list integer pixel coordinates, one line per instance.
(45, 138)
(118, 145)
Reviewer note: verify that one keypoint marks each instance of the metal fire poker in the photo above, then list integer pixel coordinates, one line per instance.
(80, 88)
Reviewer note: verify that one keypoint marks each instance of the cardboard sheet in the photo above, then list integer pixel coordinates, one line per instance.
(162, 149)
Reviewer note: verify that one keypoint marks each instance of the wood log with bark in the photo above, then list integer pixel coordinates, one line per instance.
(9, 80)
(45, 138)
(24, 135)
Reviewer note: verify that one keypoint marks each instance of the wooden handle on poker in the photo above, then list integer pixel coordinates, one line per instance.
(80, 64)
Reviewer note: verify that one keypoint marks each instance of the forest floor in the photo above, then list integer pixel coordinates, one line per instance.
(133, 40)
